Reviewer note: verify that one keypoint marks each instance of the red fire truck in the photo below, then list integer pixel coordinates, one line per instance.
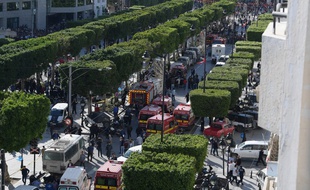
(184, 115)
(154, 124)
(147, 112)
(167, 102)
(142, 93)
(109, 176)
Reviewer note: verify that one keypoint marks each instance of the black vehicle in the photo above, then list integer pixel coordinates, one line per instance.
(241, 121)
(253, 113)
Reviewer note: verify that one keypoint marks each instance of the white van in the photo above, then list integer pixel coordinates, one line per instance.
(250, 149)
(123, 158)
(75, 178)
(58, 114)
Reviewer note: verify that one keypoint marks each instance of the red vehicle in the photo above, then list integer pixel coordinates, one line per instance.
(210, 38)
(141, 93)
(167, 102)
(154, 124)
(147, 112)
(219, 129)
(178, 71)
(219, 40)
(184, 115)
(109, 176)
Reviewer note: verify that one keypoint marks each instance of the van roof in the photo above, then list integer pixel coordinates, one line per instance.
(136, 148)
(72, 174)
(256, 142)
(111, 166)
(60, 106)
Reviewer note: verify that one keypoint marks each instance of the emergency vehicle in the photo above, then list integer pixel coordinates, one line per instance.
(184, 115)
(154, 124)
(75, 178)
(167, 102)
(142, 93)
(147, 112)
(109, 176)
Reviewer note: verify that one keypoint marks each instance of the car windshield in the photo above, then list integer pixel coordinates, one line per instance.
(153, 126)
(145, 116)
(181, 116)
(127, 153)
(55, 112)
(241, 145)
(55, 156)
(222, 59)
(216, 126)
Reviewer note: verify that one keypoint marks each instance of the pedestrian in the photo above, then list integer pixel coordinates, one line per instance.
(43, 150)
(131, 143)
(96, 131)
(90, 152)
(99, 146)
(211, 141)
(70, 164)
(122, 147)
(234, 174)
(238, 161)
(173, 94)
(51, 129)
(113, 156)
(115, 111)
(110, 138)
(92, 131)
(109, 149)
(241, 175)
(260, 157)
(129, 129)
(138, 131)
(74, 103)
(187, 97)
(55, 135)
(82, 159)
(215, 147)
(139, 140)
(25, 173)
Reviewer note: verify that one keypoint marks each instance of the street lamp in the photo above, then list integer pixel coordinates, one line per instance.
(146, 55)
(223, 146)
(82, 103)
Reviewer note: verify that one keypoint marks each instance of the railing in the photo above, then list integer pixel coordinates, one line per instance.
(277, 12)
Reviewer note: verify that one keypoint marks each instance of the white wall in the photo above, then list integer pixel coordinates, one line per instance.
(285, 95)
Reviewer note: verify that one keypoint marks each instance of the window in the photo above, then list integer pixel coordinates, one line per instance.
(145, 116)
(13, 23)
(171, 124)
(55, 156)
(12, 6)
(26, 5)
(154, 126)
(247, 147)
(106, 181)
(1, 7)
(80, 2)
(71, 152)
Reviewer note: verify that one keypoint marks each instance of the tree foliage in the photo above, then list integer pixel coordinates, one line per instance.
(22, 118)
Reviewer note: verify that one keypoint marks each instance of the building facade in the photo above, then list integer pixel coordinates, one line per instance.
(38, 14)
(285, 93)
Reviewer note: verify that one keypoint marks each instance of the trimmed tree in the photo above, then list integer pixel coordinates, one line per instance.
(211, 103)
(243, 55)
(231, 86)
(227, 77)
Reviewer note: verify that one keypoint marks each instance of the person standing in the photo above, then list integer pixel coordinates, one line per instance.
(215, 147)
(230, 170)
(70, 164)
(173, 94)
(234, 174)
(113, 156)
(241, 175)
(260, 157)
(187, 97)
(90, 151)
(139, 140)
(55, 136)
(82, 159)
(122, 147)
(43, 150)
(99, 146)
(129, 129)
(74, 103)
(109, 149)
(25, 173)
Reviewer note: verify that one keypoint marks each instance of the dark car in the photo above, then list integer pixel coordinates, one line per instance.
(253, 113)
(241, 121)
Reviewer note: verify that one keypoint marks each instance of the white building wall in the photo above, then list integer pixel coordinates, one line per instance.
(285, 95)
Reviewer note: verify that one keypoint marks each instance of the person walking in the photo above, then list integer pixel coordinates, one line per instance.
(234, 174)
(260, 157)
(215, 147)
(82, 159)
(99, 146)
(90, 152)
(241, 175)
(25, 173)
(109, 149)
(70, 164)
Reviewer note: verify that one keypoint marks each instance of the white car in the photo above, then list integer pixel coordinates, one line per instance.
(123, 158)
(250, 149)
(260, 178)
(222, 60)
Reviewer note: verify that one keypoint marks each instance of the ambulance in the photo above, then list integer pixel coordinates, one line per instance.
(147, 112)
(75, 178)
(154, 124)
(184, 116)
(109, 176)
(167, 102)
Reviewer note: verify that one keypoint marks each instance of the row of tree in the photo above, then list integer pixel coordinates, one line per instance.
(20, 60)
(224, 85)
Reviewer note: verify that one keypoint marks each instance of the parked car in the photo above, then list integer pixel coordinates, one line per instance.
(260, 178)
(253, 113)
(250, 149)
(185, 60)
(137, 148)
(240, 120)
(218, 129)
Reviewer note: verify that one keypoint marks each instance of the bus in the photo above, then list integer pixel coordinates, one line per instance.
(57, 156)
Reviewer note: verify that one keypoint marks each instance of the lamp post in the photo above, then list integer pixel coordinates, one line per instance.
(82, 103)
(146, 55)
(223, 146)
